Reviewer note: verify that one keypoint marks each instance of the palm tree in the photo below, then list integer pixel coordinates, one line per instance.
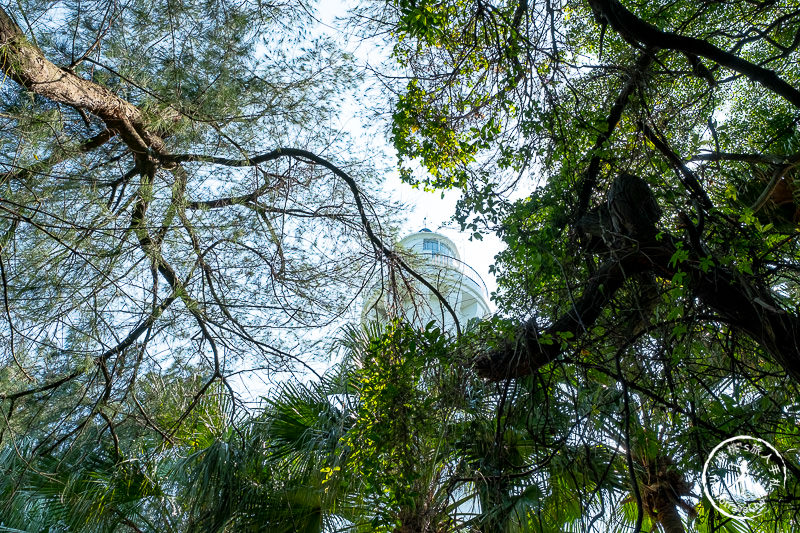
(87, 488)
(275, 472)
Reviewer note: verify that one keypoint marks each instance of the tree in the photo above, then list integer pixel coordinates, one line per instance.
(562, 122)
(638, 159)
(169, 219)
(367, 447)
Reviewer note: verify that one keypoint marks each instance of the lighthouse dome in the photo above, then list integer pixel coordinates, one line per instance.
(436, 258)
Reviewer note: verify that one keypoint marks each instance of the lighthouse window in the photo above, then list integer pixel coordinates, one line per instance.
(435, 247)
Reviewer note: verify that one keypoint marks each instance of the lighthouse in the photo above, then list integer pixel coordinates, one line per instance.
(435, 257)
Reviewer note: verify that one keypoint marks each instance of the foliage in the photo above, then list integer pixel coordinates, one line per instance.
(534, 111)
(399, 437)
(171, 214)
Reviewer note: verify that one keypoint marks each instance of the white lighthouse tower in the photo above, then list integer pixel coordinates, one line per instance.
(435, 257)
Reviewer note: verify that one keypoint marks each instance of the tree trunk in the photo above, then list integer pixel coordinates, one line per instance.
(737, 302)
(24, 63)
(669, 518)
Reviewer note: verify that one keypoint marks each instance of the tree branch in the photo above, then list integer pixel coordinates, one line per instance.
(745, 306)
(614, 116)
(25, 63)
(638, 32)
(688, 179)
(535, 349)
(351, 183)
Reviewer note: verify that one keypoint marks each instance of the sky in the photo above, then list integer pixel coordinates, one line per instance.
(426, 209)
